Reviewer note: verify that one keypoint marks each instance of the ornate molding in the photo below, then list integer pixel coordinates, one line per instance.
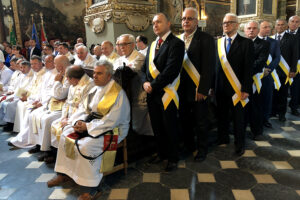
(137, 15)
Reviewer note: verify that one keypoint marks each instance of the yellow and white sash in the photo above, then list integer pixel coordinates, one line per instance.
(257, 82)
(189, 66)
(286, 69)
(298, 67)
(170, 89)
(274, 75)
(230, 75)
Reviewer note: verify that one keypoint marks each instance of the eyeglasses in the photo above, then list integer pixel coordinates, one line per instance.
(228, 23)
(124, 44)
(188, 19)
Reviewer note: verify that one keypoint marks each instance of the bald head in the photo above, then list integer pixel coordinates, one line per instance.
(97, 50)
(294, 22)
(107, 47)
(61, 62)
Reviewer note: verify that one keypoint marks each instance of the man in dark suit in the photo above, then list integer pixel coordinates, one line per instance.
(195, 82)
(289, 51)
(34, 50)
(268, 81)
(261, 52)
(294, 23)
(160, 74)
(232, 96)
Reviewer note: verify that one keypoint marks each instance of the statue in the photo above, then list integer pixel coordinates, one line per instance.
(98, 25)
(177, 4)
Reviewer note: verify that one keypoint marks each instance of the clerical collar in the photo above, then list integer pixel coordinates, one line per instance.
(232, 37)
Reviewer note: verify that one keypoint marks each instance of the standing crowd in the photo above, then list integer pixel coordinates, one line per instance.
(69, 106)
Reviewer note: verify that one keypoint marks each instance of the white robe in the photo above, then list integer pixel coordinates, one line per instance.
(81, 170)
(140, 115)
(5, 75)
(41, 92)
(44, 130)
(87, 63)
(111, 58)
(8, 107)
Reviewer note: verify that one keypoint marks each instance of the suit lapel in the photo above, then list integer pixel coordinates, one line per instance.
(163, 47)
(234, 45)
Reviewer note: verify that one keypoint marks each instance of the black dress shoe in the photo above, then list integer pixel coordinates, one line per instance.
(201, 156)
(240, 151)
(223, 141)
(10, 144)
(34, 149)
(155, 160)
(171, 166)
(295, 112)
(282, 118)
(259, 138)
(8, 127)
(268, 124)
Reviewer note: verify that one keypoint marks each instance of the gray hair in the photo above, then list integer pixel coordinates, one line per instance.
(35, 57)
(292, 17)
(130, 37)
(82, 47)
(231, 15)
(109, 67)
(281, 20)
(192, 9)
(252, 21)
(26, 63)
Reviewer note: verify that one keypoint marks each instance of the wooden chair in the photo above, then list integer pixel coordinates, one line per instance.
(123, 165)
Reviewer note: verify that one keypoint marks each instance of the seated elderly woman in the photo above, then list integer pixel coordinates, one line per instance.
(81, 145)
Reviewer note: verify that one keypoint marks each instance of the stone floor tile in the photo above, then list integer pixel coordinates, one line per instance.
(2, 176)
(45, 177)
(181, 164)
(263, 144)
(118, 194)
(225, 164)
(24, 155)
(34, 165)
(6, 192)
(282, 165)
(235, 179)
(294, 153)
(296, 122)
(206, 178)
(243, 195)
(264, 178)
(288, 128)
(59, 194)
(249, 153)
(180, 194)
(151, 177)
(276, 135)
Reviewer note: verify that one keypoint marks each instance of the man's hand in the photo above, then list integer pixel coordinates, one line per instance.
(80, 127)
(200, 97)
(23, 98)
(267, 71)
(59, 77)
(292, 74)
(244, 95)
(147, 87)
(64, 122)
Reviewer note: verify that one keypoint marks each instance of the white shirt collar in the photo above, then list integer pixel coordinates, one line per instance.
(164, 37)
(232, 37)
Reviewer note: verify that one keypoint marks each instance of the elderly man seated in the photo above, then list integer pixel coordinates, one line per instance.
(81, 145)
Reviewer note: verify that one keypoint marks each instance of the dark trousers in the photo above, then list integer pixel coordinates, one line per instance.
(267, 96)
(280, 98)
(194, 121)
(224, 106)
(295, 93)
(165, 127)
(255, 113)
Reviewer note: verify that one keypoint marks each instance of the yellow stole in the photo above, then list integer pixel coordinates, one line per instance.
(171, 89)
(230, 75)
(274, 75)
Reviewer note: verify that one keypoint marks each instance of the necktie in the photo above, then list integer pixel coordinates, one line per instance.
(292, 32)
(278, 37)
(228, 45)
(160, 41)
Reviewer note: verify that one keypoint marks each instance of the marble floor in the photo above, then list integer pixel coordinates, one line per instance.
(269, 170)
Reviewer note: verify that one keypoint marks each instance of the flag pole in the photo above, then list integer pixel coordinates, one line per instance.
(32, 17)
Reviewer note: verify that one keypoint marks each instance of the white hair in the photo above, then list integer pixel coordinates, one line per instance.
(252, 21)
(292, 17)
(192, 9)
(82, 47)
(231, 15)
(282, 20)
(108, 65)
(130, 37)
